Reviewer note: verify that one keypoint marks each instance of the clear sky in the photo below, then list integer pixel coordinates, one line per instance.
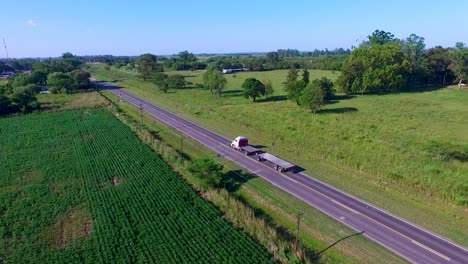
(43, 28)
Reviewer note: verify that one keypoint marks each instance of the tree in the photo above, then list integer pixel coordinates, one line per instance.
(327, 86)
(5, 105)
(58, 82)
(413, 49)
(160, 79)
(305, 77)
(459, 56)
(294, 90)
(253, 88)
(187, 57)
(380, 37)
(268, 87)
(39, 76)
(293, 73)
(81, 79)
(176, 81)
(313, 96)
(214, 81)
(375, 69)
(437, 61)
(208, 171)
(24, 100)
(147, 65)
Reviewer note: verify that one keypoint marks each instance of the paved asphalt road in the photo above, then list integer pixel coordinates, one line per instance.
(405, 239)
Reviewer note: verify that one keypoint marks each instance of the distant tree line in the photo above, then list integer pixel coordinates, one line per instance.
(58, 75)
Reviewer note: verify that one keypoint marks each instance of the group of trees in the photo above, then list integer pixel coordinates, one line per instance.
(384, 64)
(58, 75)
(164, 81)
(306, 93)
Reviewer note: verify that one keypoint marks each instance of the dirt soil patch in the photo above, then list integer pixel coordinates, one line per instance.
(72, 227)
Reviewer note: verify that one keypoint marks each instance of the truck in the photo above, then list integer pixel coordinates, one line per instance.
(241, 144)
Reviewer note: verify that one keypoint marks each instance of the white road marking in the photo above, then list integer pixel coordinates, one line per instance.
(431, 250)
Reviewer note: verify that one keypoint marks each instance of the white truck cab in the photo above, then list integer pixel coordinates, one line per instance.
(239, 142)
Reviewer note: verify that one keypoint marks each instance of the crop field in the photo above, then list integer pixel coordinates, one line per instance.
(78, 186)
(406, 153)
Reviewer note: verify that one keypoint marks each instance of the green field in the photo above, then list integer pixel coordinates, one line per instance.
(79, 187)
(404, 152)
(277, 207)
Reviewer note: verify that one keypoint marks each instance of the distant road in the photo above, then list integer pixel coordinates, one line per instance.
(402, 237)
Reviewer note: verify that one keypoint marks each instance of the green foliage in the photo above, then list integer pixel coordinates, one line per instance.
(269, 90)
(214, 81)
(147, 65)
(81, 79)
(375, 69)
(459, 56)
(5, 105)
(380, 37)
(313, 96)
(253, 88)
(133, 207)
(58, 82)
(160, 79)
(294, 90)
(305, 77)
(436, 66)
(209, 171)
(176, 81)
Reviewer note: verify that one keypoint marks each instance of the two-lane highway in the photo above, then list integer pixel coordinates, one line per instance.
(405, 239)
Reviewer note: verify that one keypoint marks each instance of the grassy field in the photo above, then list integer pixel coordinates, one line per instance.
(271, 205)
(79, 187)
(403, 152)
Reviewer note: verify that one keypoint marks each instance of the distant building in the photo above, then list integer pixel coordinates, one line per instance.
(227, 71)
(6, 74)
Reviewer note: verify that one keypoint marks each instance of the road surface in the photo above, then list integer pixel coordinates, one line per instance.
(402, 237)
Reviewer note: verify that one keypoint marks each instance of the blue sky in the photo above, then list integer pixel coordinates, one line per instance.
(49, 28)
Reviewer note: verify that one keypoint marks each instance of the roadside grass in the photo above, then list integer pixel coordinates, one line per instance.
(279, 208)
(79, 100)
(377, 147)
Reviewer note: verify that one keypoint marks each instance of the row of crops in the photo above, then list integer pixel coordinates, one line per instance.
(140, 210)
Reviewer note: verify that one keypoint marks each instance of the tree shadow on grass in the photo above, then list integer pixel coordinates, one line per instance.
(234, 179)
(232, 93)
(275, 98)
(340, 110)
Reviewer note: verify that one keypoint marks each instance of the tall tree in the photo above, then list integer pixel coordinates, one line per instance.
(437, 61)
(459, 56)
(253, 88)
(305, 76)
(176, 81)
(58, 82)
(269, 90)
(81, 79)
(313, 96)
(413, 48)
(375, 69)
(214, 81)
(147, 65)
(380, 37)
(160, 79)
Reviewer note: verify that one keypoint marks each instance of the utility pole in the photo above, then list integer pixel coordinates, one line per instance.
(141, 117)
(299, 215)
(6, 50)
(182, 146)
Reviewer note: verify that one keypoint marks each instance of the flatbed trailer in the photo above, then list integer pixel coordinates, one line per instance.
(249, 150)
(278, 164)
